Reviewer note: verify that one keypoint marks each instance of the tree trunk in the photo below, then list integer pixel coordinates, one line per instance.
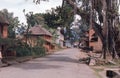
(105, 32)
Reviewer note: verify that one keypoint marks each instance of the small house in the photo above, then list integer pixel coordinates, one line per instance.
(38, 31)
(94, 41)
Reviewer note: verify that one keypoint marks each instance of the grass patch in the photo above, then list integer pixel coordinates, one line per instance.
(97, 70)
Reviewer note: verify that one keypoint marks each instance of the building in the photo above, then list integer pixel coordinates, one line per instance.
(3, 26)
(91, 42)
(3, 32)
(94, 41)
(37, 32)
(60, 38)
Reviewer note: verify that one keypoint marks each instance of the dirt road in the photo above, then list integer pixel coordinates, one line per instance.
(62, 64)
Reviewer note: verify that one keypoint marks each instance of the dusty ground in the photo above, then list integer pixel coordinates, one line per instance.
(62, 64)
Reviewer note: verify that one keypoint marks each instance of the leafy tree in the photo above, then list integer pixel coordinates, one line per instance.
(60, 17)
(34, 19)
(106, 12)
(21, 29)
(103, 17)
(52, 18)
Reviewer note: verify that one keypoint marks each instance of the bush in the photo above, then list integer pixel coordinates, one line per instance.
(38, 51)
(23, 51)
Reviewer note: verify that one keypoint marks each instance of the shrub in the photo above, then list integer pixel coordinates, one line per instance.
(21, 48)
(23, 51)
(26, 50)
(38, 51)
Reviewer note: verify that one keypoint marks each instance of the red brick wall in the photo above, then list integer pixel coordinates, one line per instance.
(4, 31)
(3, 34)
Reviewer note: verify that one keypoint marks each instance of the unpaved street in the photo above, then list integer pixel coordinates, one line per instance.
(62, 64)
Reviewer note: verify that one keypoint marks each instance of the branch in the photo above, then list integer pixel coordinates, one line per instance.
(38, 1)
(86, 16)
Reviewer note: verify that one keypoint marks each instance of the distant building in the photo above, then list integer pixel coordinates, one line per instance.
(38, 31)
(91, 41)
(60, 38)
(94, 41)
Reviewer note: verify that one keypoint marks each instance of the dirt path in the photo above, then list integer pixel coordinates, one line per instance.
(62, 64)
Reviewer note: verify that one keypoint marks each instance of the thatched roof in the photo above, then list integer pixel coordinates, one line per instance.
(39, 30)
(3, 20)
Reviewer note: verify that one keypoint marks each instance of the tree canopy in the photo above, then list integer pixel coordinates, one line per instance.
(102, 16)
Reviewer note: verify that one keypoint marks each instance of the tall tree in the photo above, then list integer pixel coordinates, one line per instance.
(103, 16)
(107, 13)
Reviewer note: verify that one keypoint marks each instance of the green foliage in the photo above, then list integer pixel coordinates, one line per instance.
(59, 17)
(67, 14)
(14, 23)
(33, 19)
(38, 51)
(52, 19)
(30, 19)
(6, 41)
(21, 29)
(24, 49)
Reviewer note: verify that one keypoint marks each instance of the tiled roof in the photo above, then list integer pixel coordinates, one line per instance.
(39, 30)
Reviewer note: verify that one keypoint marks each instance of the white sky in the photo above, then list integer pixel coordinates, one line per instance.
(17, 6)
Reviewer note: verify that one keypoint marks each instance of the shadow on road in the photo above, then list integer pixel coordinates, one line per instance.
(55, 61)
(31, 66)
(61, 59)
(49, 62)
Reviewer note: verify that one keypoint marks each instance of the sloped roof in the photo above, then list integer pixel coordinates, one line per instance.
(39, 30)
(3, 20)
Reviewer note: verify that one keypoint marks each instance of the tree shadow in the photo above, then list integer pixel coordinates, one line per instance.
(47, 62)
(32, 66)
(59, 59)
